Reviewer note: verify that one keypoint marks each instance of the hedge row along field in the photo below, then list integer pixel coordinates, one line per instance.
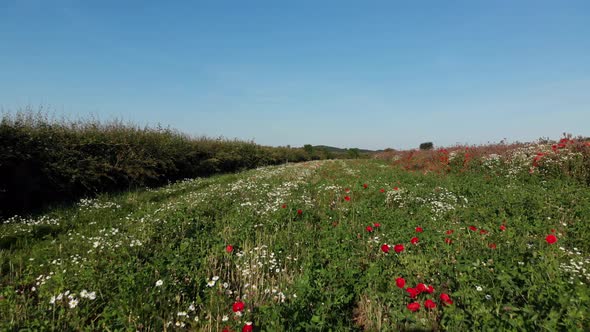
(336, 245)
(43, 161)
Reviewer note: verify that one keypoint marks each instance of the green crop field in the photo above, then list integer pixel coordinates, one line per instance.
(335, 245)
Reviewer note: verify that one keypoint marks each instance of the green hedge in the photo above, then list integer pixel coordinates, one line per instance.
(43, 161)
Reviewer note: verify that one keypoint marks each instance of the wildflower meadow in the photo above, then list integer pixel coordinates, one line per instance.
(454, 241)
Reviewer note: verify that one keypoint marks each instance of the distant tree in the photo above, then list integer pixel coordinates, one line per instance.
(308, 148)
(353, 153)
(426, 146)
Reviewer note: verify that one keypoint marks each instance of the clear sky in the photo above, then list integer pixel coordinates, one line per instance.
(368, 74)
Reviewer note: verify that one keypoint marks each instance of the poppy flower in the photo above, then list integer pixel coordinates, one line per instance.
(347, 198)
(398, 248)
(376, 225)
(419, 230)
(551, 239)
(347, 190)
(473, 228)
(414, 240)
(385, 248)
(429, 304)
(248, 327)
(238, 306)
(414, 306)
(226, 329)
(430, 289)
(369, 229)
(365, 185)
(412, 291)
(284, 206)
(502, 227)
(448, 241)
(400, 282)
(552, 230)
(381, 190)
(229, 248)
(421, 288)
(450, 231)
(446, 299)
(483, 232)
(492, 245)
(299, 212)
(395, 188)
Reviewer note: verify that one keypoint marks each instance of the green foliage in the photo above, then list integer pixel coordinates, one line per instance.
(426, 146)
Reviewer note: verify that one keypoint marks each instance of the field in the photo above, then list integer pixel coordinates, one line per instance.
(333, 245)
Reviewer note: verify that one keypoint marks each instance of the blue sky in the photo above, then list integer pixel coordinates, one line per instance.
(369, 74)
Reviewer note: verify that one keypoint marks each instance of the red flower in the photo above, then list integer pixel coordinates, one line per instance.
(414, 240)
(376, 225)
(226, 329)
(448, 241)
(382, 190)
(450, 231)
(551, 239)
(429, 304)
(502, 227)
(347, 198)
(238, 306)
(347, 190)
(421, 288)
(483, 231)
(412, 291)
(430, 289)
(369, 229)
(492, 246)
(400, 282)
(473, 228)
(248, 327)
(299, 212)
(284, 206)
(229, 248)
(446, 299)
(414, 306)
(385, 248)
(419, 230)
(398, 248)
(395, 188)
(552, 230)
(365, 185)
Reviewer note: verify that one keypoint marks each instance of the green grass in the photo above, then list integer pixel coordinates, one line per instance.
(320, 270)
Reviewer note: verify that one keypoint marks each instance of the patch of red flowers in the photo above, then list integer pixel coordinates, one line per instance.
(229, 248)
(400, 282)
(414, 306)
(448, 241)
(369, 229)
(385, 248)
(419, 229)
(450, 231)
(473, 228)
(248, 327)
(551, 239)
(421, 288)
(398, 248)
(413, 292)
(414, 240)
(446, 299)
(429, 304)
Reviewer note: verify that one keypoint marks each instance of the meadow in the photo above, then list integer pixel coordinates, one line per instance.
(440, 241)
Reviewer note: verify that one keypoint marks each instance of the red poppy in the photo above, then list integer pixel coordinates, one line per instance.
(414, 240)
(414, 306)
(347, 190)
(450, 231)
(365, 185)
(400, 282)
(429, 304)
(421, 288)
(369, 229)
(448, 241)
(552, 230)
(385, 248)
(430, 289)
(446, 299)
(412, 291)
(483, 231)
(229, 248)
(284, 206)
(248, 327)
(398, 248)
(347, 198)
(226, 329)
(382, 190)
(300, 212)
(551, 239)
(376, 225)
(502, 227)
(492, 245)
(238, 306)
(419, 230)
(395, 188)
(473, 228)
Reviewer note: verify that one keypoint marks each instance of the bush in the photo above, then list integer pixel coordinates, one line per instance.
(426, 146)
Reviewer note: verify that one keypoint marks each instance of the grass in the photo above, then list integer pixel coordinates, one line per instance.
(301, 257)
